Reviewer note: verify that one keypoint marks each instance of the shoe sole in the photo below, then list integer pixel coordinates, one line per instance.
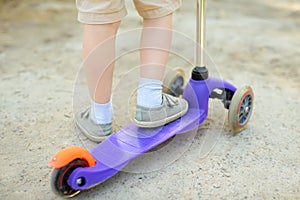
(162, 122)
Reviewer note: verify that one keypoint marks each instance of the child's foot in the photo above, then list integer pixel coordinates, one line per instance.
(95, 132)
(172, 108)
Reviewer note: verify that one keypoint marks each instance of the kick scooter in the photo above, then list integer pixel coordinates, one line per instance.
(76, 169)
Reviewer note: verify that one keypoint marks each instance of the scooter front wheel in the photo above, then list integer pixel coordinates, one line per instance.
(240, 109)
(59, 179)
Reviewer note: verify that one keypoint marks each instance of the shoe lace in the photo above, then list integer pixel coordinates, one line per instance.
(86, 113)
(171, 101)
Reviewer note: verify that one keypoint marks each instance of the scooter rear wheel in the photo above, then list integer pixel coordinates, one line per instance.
(240, 109)
(59, 178)
(173, 82)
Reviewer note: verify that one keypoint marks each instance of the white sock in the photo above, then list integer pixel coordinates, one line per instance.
(101, 113)
(149, 93)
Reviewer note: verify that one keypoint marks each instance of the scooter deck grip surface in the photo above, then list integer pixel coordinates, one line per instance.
(132, 141)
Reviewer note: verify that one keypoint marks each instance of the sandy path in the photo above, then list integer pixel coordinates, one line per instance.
(254, 43)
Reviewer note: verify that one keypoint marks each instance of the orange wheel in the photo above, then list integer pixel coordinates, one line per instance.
(69, 154)
(59, 179)
(64, 163)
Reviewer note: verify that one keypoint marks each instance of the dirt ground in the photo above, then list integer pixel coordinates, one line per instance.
(250, 42)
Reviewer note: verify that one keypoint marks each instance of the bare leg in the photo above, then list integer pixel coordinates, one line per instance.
(154, 108)
(99, 60)
(155, 44)
(99, 55)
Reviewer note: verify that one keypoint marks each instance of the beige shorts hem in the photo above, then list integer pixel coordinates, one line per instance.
(161, 12)
(99, 18)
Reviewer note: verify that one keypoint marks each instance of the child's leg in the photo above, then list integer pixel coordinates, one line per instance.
(153, 107)
(155, 45)
(99, 64)
(101, 19)
(99, 55)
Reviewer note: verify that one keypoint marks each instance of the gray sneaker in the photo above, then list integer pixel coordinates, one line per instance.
(172, 108)
(95, 132)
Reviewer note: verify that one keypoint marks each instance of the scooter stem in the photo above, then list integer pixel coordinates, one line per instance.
(200, 34)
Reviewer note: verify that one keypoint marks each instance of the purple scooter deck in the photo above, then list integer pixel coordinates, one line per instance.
(128, 143)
